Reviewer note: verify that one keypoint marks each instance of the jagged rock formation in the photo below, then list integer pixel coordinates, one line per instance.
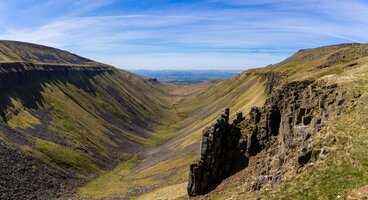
(278, 137)
(272, 80)
(219, 152)
(285, 127)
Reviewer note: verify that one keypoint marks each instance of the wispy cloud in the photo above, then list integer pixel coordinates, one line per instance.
(215, 34)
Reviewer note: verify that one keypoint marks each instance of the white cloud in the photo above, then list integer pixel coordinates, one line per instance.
(192, 61)
(201, 38)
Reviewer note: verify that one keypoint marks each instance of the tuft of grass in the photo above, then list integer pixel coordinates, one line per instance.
(23, 120)
(113, 182)
(121, 180)
(66, 158)
(173, 192)
(2, 136)
(165, 167)
(162, 134)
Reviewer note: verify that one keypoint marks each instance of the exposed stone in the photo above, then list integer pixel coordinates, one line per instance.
(239, 118)
(219, 152)
(283, 129)
(304, 157)
(25, 177)
(14, 73)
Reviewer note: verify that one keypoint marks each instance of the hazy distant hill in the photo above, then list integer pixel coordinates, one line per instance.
(185, 77)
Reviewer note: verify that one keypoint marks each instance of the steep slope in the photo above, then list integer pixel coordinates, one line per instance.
(65, 119)
(13, 51)
(165, 169)
(294, 147)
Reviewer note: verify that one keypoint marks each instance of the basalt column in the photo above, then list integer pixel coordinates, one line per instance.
(218, 153)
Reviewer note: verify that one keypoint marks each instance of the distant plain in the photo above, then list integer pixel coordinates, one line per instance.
(186, 77)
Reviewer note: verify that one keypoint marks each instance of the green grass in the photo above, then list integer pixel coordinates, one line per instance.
(79, 116)
(66, 158)
(3, 137)
(161, 134)
(109, 183)
(23, 120)
(345, 169)
(24, 52)
(346, 166)
(120, 180)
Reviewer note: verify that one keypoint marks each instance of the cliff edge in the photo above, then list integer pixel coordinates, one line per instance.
(278, 139)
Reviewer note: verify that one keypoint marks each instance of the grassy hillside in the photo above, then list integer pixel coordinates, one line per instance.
(342, 173)
(78, 121)
(132, 137)
(12, 51)
(160, 171)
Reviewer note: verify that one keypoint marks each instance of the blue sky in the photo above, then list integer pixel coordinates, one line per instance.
(163, 34)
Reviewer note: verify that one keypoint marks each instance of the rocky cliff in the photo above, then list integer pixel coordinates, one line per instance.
(14, 73)
(219, 155)
(277, 138)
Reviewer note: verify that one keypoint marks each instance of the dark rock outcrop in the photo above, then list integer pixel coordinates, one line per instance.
(272, 80)
(285, 128)
(15, 73)
(219, 152)
(276, 139)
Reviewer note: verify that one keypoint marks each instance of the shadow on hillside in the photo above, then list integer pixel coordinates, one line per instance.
(27, 87)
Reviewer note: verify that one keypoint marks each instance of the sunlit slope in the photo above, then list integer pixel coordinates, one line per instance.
(110, 111)
(12, 51)
(78, 120)
(164, 169)
(69, 119)
(167, 166)
(342, 173)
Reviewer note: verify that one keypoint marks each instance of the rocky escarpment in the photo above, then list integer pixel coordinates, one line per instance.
(275, 141)
(219, 154)
(15, 73)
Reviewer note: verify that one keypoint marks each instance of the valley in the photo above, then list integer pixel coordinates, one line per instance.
(71, 127)
(187, 77)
